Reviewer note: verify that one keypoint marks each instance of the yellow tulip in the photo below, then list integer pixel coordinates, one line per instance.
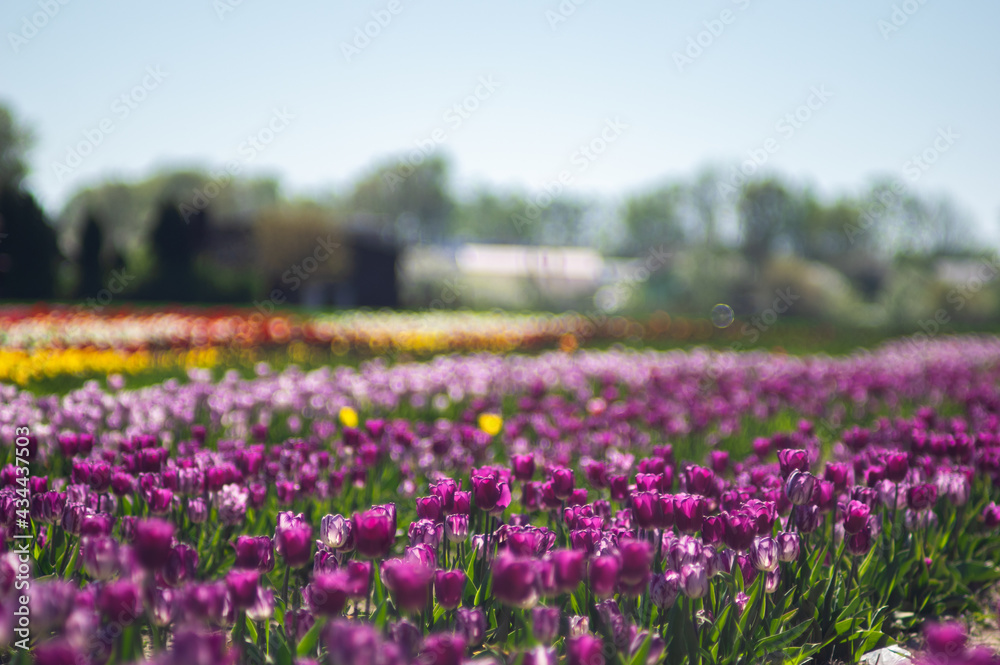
(348, 417)
(490, 423)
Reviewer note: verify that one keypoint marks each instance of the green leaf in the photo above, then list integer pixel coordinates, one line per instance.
(307, 644)
(251, 629)
(776, 642)
(640, 656)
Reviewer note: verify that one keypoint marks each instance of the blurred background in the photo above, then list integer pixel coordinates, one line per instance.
(833, 164)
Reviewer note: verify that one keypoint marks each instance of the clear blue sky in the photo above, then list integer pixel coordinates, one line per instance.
(557, 87)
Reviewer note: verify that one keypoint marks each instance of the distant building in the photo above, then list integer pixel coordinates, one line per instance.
(306, 260)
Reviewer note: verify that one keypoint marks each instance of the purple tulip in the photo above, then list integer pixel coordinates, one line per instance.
(747, 569)
(619, 487)
(515, 580)
(719, 461)
(604, 571)
(740, 530)
(584, 650)
(353, 643)
(837, 473)
(182, 565)
(456, 528)
(991, 515)
(152, 539)
(792, 460)
(771, 580)
(100, 557)
(429, 507)
(359, 574)
(921, 497)
(491, 492)
(860, 543)
(335, 531)
(206, 602)
(788, 546)
(242, 587)
(856, 516)
(448, 588)
(445, 489)
(636, 558)
(799, 487)
(562, 482)
(255, 552)
(523, 465)
(897, 465)
(374, 532)
(945, 639)
(263, 607)
(293, 539)
(539, 655)
(442, 649)
(699, 480)
(713, 529)
(470, 623)
(569, 567)
(694, 580)
(688, 512)
(545, 624)
(764, 554)
(120, 601)
(664, 589)
(408, 582)
(197, 510)
(646, 509)
(327, 595)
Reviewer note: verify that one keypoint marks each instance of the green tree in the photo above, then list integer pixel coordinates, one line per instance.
(415, 200)
(654, 219)
(15, 141)
(768, 213)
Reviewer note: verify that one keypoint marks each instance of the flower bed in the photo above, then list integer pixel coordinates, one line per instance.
(590, 508)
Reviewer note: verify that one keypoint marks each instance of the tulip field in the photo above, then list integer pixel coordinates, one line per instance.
(490, 491)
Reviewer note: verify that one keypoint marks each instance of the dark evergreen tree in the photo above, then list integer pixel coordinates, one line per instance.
(91, 270)
(29, 254)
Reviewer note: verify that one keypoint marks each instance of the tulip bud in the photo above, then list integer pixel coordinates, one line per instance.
(584, 650)
(921, 497)
(771, 580)
(788, 546)
(197, 510)
(856, 516)
(242, 586)
(791, 460)
(327, 595)
(545, 624)
(799, 487)
(100, 557)
(374, 532)
(694, 580)
(448, 588)
(515, 581)
(335, 531)
(152, 542)
(568, 568)
(524, 466)
(409, 582)
(664, 589)
(470, 623)
(764, 554)
(456, 528)
(604, 572)
(293, 539)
